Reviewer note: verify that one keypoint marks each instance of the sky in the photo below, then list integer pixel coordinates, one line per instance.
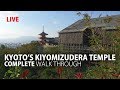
(31, 22)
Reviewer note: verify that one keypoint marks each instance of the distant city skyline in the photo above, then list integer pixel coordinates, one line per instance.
(31, 22)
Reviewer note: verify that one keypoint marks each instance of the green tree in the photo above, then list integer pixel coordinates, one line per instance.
(3, 46)
(102, 69)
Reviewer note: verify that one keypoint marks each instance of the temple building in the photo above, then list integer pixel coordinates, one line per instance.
(43, 37)
(47, 40)
(52, 41)
(76, 37)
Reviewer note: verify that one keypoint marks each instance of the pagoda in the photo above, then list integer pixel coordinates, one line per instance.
(43, 37)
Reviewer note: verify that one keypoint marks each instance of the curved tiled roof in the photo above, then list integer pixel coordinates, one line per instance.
(43, 33)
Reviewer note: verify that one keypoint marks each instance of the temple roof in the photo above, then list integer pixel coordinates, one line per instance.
(94, 22)
(43, 33)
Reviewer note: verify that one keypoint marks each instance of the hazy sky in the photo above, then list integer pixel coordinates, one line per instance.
(31, 22)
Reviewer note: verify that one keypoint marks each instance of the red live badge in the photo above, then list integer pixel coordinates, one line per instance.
(12, 19)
